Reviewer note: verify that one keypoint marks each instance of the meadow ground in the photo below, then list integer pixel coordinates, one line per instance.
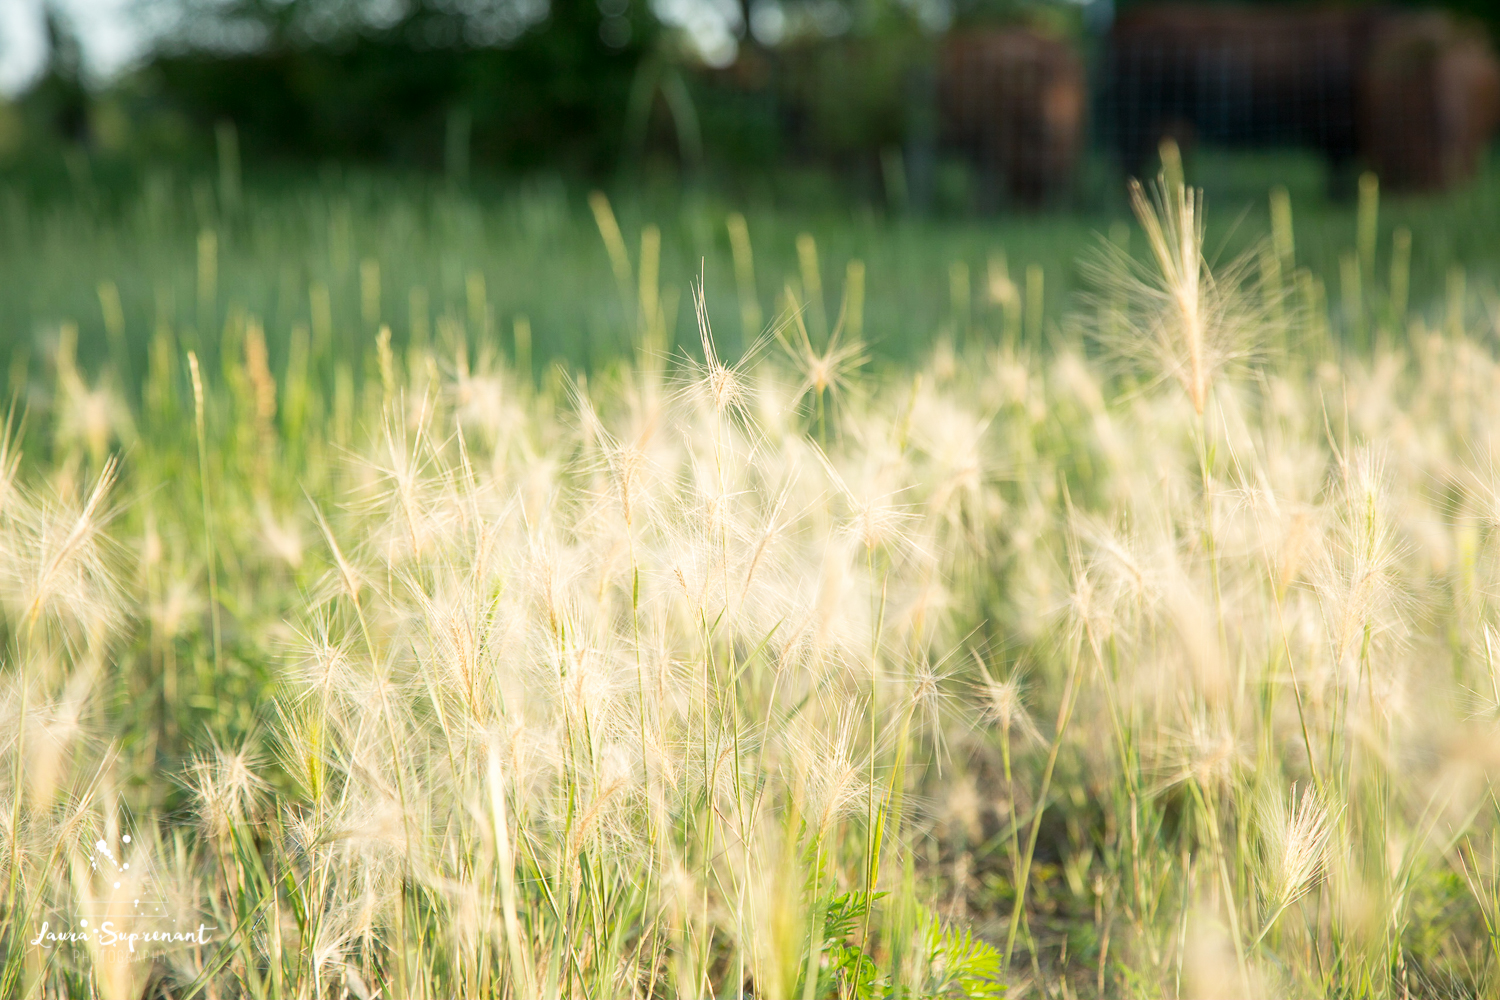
(411, 594)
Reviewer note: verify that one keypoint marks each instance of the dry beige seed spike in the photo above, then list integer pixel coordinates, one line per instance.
(258, 368)
(1492, 664)
(225, 787)
(828, 370)
(1297, 842)
(1004, 702)
(874, 521)
(725, 386)
(263, 389)
(744, 274)
(387, 362)
(614, 242)
(1174, 229)
(812, 281)
(1171, 313)
(82, 531)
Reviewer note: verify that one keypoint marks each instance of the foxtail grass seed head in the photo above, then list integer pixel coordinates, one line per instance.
(1296, 839)
(1003, 704)
(1181, 321)
(617, 681)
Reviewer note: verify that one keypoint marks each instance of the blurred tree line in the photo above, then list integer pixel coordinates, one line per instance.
(578, 86)
(517, 83)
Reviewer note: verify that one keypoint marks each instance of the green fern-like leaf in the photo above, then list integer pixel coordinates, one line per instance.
(962, 965)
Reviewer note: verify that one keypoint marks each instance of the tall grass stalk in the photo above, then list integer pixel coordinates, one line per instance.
(208, 524)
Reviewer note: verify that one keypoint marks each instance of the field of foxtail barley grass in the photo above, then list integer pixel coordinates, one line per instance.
(1145, 648)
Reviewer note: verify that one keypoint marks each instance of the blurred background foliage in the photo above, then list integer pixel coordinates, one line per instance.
(442, 139)
(447, 138)
(586, 88)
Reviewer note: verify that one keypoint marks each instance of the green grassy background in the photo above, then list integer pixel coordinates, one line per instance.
(538, 251)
